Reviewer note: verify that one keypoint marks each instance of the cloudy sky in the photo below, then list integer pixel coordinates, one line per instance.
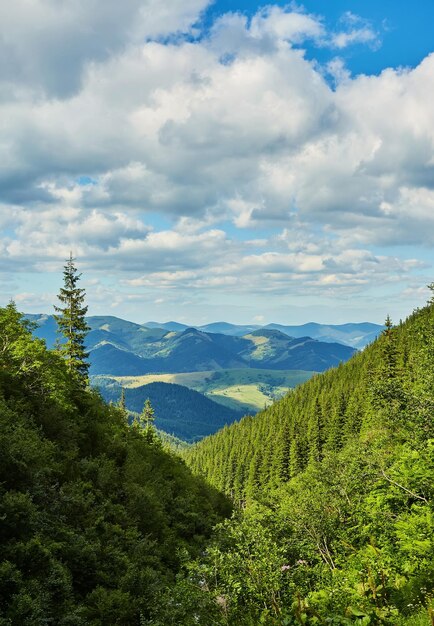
(228, 160)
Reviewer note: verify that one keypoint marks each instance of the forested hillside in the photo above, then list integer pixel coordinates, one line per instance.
(335, 483)
(179, 411)
(95, 517)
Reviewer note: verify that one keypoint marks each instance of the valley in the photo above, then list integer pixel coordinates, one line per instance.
(245, 390)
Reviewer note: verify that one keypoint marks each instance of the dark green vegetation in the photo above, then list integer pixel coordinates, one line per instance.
(101, 524)
(95, 517)
(180, 411)
(336, 493)
(120, 348)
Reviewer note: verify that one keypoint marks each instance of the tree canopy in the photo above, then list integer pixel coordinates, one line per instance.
(95, 519)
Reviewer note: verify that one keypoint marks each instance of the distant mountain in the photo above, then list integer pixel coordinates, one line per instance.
(180, 411)
(172, 326)
(107, 358)
(355, 335)
(188, 351)
(195, 351)
(120, 348)
(272, 349)
(46, 327)
(228, 329)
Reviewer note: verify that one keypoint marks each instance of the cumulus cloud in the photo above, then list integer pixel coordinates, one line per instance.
(47, 44)
(172, 128)
(108, 121)
(355, 31)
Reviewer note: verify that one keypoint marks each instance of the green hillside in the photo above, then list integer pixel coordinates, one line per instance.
(96, 518)
(180, 411)
(243, 390)
(335, 484)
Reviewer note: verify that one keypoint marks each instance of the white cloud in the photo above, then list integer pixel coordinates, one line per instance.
(356, 31)
(238, 126)
(292, 26)
(46, 44)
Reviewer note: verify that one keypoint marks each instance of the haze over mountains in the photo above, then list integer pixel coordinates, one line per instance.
(356, 335)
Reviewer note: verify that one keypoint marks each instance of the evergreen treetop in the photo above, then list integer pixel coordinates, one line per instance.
(71, 321)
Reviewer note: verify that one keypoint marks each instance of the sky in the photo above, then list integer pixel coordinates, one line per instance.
(234, 161)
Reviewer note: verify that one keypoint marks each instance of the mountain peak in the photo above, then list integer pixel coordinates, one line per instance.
(191, 330)
(271, 333)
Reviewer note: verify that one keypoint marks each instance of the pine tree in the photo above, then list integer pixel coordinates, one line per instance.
(315, 434)
(123, 405)
(71, 322)
(145, 420)
(296, 457)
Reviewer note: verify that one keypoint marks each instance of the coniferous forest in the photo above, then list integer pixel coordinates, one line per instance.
(334, 488)
(317, 511)
(96, 517)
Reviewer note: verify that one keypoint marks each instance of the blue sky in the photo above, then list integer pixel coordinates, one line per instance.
(227, 160)
(405, 28)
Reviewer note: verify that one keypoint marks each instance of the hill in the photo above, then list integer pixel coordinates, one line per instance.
(272, 349)
(96, 517)
(244, 390)
(336, 494)
(182, 412)
(355, 335)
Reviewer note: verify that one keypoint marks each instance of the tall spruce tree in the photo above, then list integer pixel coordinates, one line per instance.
(71, 322)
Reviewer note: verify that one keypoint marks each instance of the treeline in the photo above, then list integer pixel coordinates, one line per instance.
(335, 491)
(96, 517)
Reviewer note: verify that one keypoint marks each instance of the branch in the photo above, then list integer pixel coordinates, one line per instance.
(393, 482)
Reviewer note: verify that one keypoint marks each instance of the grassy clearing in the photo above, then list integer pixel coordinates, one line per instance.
(193, 380)
(248, 390)
(253, 397)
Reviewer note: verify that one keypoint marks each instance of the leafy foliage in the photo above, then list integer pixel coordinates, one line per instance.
(101, 524)
(95, 518)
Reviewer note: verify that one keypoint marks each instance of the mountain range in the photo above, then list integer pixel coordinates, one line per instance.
(120, 348)
(354, 335)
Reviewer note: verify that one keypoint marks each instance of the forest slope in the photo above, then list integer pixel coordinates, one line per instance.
(335, 483)
(94, 515)
(376, 388)
(179, 411)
